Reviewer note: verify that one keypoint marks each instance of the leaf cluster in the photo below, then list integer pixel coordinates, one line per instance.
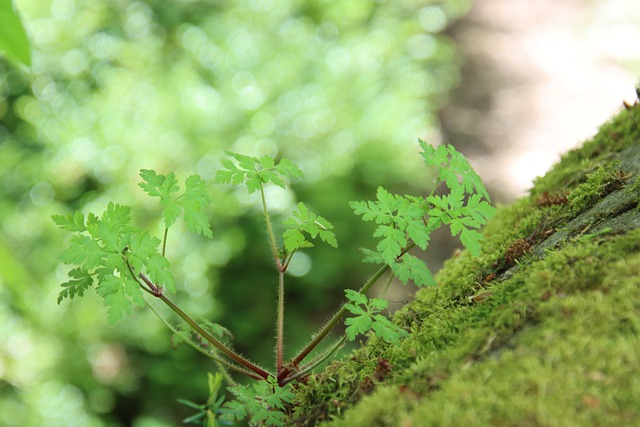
(400, 223)
(191, 202)
(263, 401)
(111, 251)
(367, 317)
(118, 256)
(304, 222)
(407, 221)
(254, 172)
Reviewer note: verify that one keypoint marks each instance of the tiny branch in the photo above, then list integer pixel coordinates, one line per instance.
(164, 241)
(154, 290)
(386, 287)
(287, 261)
(202, 332)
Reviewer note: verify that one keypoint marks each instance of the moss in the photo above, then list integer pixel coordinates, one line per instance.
(542, 329)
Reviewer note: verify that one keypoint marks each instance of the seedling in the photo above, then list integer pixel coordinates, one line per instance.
(126, 265)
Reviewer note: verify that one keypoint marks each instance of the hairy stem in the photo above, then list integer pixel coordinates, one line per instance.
(304, 370)
(156, 292)
(211, 339)
(280, 327)
(330, 325)
(272, 237)
(282, 376)
(223, 364)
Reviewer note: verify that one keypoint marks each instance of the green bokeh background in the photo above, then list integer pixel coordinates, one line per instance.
(342, 88)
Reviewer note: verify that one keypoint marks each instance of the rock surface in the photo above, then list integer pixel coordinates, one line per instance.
(542, 329)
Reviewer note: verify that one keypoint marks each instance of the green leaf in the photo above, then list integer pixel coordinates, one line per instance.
(261, 400)
(115, 252)
(266, 162)
(412, 268)
(82, 280)
(382, 211)
(468, 178)
(190, 404)
(279, 396)
(303, 221)
(400, 221)
(453, 169)
(355, 296)
(374, 257)
(193, 201)
(357, 325)
(419, 232)
(377, 304)
(156, 185)
(72, 222)
(253, 172)
(367, 318)
(144, 255)
(287, 168)
(230, 175)
(13, 37)
(196, 193)
(113, 227)
(294, 239)
(434, 156)
(170, 212)
(394, 240)
(466, 207)
(253, 182)
(362, 321)
(118, 304)
(471, 240)
(384, 329)
(158, 268)
(83, 250)
(112, 230)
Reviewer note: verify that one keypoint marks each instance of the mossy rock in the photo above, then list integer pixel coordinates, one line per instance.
(543, 329)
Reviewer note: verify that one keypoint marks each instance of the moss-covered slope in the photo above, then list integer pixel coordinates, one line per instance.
(542, 329)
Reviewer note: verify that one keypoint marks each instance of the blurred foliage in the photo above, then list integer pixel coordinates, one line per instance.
(343, 88)
(13, 38)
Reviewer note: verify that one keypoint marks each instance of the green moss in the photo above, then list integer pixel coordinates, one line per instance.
(541, 329)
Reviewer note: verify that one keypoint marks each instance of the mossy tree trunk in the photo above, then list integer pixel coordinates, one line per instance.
(542, 329)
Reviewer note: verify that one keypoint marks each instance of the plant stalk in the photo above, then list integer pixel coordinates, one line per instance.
(164, 240)
(280, 327)
(282, 376)
(272, 237)
(154, 290)
(330, 325)
(211, 339)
